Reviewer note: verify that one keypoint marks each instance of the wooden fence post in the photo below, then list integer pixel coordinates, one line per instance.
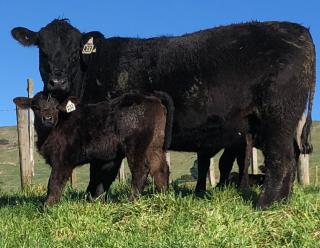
(303, 164)
(73, 178)
(169, 164)
(23, 139)
(31, 126)
(26, 140)
(211, 174)
(254, 161)
(121, 174)
(303, 169)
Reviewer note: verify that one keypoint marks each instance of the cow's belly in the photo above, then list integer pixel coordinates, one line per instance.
(194, 131)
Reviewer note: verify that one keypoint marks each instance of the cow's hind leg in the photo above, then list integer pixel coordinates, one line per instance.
(279, 160)
(225, 165)
(109, 173)
(95, 187)
(244, 163)
(288, 181)
(203, 167)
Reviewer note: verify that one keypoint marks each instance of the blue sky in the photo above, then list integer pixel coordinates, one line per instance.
(137, 18)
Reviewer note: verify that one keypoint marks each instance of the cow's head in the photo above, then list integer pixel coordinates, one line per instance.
(46, 108)
(60, 49)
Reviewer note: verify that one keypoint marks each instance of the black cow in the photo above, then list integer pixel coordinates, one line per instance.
(135, 126)
(227, 81)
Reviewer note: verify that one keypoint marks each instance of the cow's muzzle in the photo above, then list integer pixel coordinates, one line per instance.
(57, 84)
(54, 82)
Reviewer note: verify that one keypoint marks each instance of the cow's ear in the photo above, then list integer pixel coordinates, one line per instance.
(25, 36)
(23, 102)
(89, 43)
(69, 105)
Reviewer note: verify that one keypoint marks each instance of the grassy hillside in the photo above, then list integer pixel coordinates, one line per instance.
(180, 162)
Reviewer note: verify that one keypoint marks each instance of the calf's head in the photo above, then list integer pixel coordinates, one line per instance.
(46, 108)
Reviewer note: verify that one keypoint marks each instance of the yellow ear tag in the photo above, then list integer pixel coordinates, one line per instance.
(70, 107)
(89, 48)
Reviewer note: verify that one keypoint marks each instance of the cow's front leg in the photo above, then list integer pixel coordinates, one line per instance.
(58, 178)
(225, 165)
(102, 174)
(95, 187)
(244, 168)
(203, 167)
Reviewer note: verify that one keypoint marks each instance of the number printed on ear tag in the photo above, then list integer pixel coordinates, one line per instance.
(70, 107)
(89, 48)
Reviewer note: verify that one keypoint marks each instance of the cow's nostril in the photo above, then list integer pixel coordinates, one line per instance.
(51, 83)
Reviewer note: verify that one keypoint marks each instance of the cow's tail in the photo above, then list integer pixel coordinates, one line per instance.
(306, 146)
(168, 103)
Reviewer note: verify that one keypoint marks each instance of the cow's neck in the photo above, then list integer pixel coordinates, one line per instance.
(78, 84)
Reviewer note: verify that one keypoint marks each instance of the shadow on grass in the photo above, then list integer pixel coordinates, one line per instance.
(249, 194)
(20, 200)
(311, 189)
(121, 191)
(180, 189)
(36, 198)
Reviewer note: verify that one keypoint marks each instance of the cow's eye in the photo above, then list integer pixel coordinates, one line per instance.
(75, 57)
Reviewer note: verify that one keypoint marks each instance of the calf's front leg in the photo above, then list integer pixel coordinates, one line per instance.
(57, 181)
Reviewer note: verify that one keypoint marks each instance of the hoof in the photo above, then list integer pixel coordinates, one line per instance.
(264, 202)
(200, 193)
(132, 198)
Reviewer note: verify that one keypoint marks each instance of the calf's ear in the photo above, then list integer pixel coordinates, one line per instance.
(25, 36)
(23, 102)
(69, 105)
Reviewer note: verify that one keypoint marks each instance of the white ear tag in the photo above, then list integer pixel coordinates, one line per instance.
(89, 48)
(70, 107)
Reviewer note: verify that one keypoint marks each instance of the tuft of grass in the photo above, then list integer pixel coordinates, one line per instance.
(223, 218)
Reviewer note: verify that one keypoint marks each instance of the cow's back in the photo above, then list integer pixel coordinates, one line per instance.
(210, 74)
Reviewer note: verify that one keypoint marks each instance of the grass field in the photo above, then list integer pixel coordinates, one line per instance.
(224, 218)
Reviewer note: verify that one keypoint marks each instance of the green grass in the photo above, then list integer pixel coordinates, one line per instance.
(225, 218)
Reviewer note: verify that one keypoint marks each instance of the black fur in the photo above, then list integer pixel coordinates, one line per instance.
(132, 125)
(211, 75)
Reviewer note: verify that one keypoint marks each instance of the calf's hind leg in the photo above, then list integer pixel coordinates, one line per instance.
(159, 169)
(139, 171)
